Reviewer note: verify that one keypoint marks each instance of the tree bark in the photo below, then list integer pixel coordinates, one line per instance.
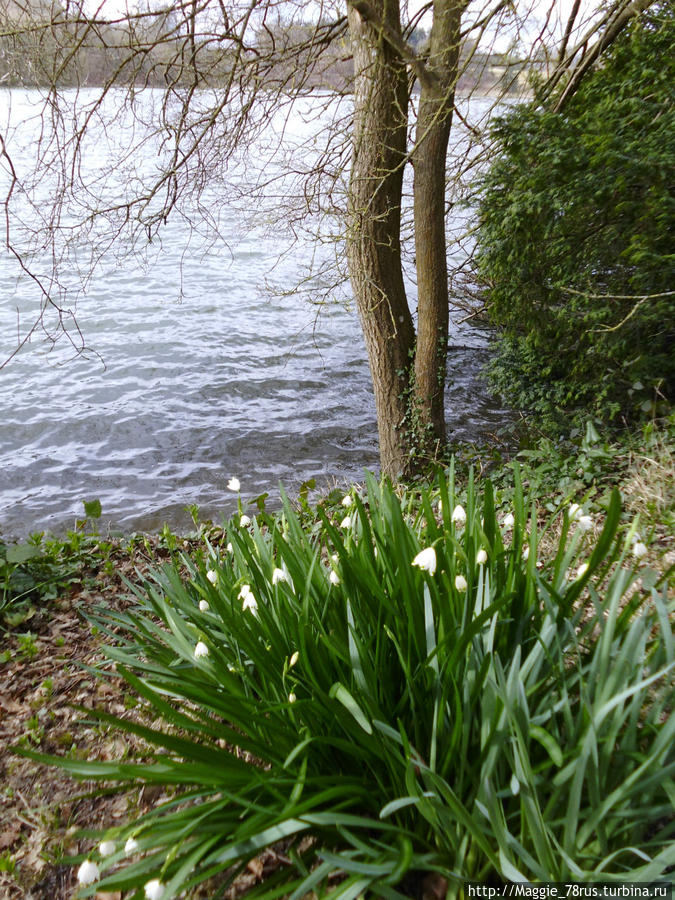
(429, 162)
(373, 239)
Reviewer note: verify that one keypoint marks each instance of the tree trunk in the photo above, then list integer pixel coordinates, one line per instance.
(373, 240)
(429, 162)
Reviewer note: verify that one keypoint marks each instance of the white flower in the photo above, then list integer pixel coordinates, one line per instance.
(346, 522)
(201, 649)
(154, 890)
(244, 521)
(334, 577)
(459, 515)
(581, 571)
(279, 575)
(88, 872)
(335, 558)
(292, 661)
(481, 557)
(526, 552)
(234, 485)
(584, 523)
(347, 500)
(212, 576)
(426, 560)
(460, 583)
(244, 591)
(131, 846)
(292, 698)
(440, 506)
(250, 603)
(106, 848)
(639, 549)
(204, 606)
(575, 512)
(229, 547)
(509, 521)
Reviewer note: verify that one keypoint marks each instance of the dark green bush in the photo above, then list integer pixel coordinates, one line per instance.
(575, 245)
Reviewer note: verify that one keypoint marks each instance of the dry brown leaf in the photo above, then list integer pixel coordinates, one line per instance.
(8, 836)
(119, 808)
(434, 887)
(255, 866)
(34, 860)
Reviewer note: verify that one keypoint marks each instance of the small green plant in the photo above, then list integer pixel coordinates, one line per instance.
(409, 689)
(17, 581)
(27, 645)
(30, 572)
(92, 508)
(169, 539)
(7, 863)
(193, 511)
(33, 735)
(35, 571)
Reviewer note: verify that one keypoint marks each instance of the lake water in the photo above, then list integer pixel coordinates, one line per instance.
(194, 375)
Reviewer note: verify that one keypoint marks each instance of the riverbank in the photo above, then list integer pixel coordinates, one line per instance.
(52, 651)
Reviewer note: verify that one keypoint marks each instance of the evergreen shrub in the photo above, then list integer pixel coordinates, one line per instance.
(575, 237)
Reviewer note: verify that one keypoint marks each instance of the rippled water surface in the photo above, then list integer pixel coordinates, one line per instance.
(225, 381)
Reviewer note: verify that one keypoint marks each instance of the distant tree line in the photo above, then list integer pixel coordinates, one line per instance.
(47, 44)
(52, 44)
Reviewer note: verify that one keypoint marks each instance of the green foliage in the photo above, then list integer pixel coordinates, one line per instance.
(575, 237)
(25, 576)
(473, 718)
(34, 572)
(92, 508)
(7, 863)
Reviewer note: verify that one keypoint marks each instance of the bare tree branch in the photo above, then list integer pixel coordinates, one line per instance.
(574, 12)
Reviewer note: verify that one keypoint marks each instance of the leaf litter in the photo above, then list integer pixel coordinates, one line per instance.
(47, 817)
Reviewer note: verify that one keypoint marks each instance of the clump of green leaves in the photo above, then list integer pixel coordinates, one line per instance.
(34, 571)
(31, 574)
(576, 219)
(409, 688)
(7, 863)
